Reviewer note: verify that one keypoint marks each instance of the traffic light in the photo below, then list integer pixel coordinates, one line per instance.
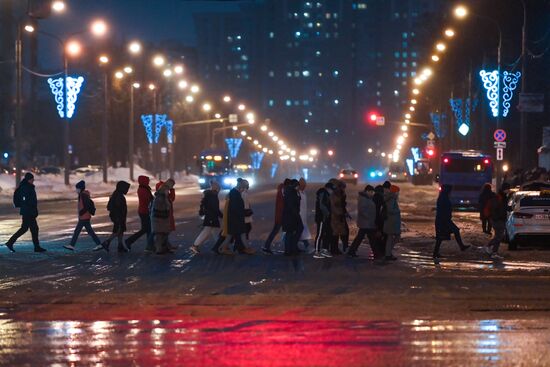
(430, 152)
(374, 118)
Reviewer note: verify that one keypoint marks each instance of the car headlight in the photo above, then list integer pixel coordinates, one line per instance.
(202, 180)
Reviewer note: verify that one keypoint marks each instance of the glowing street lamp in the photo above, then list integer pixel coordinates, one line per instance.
(227, 99)
(440, 47)
(449, 33)
(182, 84)
(152, 86)
(103, 59)
(98, 28)
(207, 107)
(407, 116)
(136, 85)
(158, 60)
(416, 91)
(178, 69)
(241, 107)
(73, 48)
(189, 99)
(167, 73)
(263, 128)
(134, 47)
(128, 70)
(119, 74)
(413, 101)
(58, 6)
(195, 89)
(435, 58)
(29, 28)
(461, 12)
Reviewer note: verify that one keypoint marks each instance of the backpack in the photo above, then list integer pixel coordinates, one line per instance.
(90, 206)
(202, 207)
(17, 197)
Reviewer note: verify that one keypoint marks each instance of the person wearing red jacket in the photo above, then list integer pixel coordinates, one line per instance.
(279, 205)
(145, 197)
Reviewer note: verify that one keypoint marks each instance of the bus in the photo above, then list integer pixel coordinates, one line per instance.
(466, 171)
(215, 165)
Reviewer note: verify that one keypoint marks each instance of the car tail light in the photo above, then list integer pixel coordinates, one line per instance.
(445, 160)
(356, 175)
(486, 161)
(439, 188)
(522, 215)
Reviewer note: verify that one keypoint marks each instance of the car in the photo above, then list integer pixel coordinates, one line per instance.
(88, 169)
(397, 173)
(50, 170)
(349, 175)
(529, 217)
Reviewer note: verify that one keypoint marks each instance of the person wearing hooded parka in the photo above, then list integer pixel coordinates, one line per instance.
(118, 212)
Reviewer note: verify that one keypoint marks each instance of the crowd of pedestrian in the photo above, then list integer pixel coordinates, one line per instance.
(378, 218)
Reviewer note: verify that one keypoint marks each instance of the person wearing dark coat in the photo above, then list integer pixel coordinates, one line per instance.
(292, 222)
(323, 236)
(279, 205)
(118, 211)
(483, 205)
(86, 209)
(28, 209)
(444, 224)
(235, 215)
(210, 210)
(366, 222)
(380, 237)
(498, 208)
(145, 197)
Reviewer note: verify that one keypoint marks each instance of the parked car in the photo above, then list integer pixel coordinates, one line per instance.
(529, 217)
(349, 175)
(88, 169)
(50, 170)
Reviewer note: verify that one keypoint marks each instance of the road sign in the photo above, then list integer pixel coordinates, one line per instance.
(500, 144)
(233, 118)
(431, 136)
(163, 150)
(380, 121)
(500, 154)
(430, 143)
(499, 135)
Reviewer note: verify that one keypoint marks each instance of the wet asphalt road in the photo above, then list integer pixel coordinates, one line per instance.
(98, 309)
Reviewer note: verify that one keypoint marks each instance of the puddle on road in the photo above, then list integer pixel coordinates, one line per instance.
(226, 342)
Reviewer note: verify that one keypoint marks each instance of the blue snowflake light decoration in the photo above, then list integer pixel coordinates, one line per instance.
(257, 158)
(73, 89)
(509, 84)
(274, 167)
(148, 125)
(233, 145)
(491, 84)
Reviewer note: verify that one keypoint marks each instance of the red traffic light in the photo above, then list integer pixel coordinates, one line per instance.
(373, 117)
(430, 152)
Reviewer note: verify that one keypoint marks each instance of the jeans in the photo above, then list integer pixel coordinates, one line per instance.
(271, 237)
(27, 223)
(370, 233)
(86, 224)
(499, 228)
(205, 234)
(145, 220)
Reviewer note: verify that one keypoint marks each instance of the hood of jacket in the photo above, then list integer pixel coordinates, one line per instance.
(159, 185)
(122, 187)
(143, 180)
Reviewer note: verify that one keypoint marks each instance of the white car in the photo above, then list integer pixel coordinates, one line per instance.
(529, 217)
(349, 175)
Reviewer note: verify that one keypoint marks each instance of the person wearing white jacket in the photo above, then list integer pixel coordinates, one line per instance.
(306, 234)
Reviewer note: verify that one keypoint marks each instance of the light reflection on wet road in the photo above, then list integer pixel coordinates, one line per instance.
(270, 310)
(224, 342)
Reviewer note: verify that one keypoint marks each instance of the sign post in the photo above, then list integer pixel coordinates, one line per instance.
(500, 144)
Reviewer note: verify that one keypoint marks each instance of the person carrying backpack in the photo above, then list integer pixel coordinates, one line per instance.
(25, 199)
(145, 198)
(86, 209)
(118, 210)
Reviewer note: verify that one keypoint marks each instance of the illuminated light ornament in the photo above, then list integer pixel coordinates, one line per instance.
(305, 172)
(410, 166)
(439, 123)
(464, 129)
(415, 151)
(509, 84)
(491, 84)
(73, 89)
(159, 124)
(257, 158)
(233, 145)
(274, 167)
(456, 106)
(147, 121)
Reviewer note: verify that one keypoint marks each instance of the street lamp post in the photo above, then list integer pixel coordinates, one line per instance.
(522, 122)
(19, 76)
(131, 131)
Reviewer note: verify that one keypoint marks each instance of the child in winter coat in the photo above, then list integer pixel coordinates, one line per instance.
(118, 210)
(86, 209)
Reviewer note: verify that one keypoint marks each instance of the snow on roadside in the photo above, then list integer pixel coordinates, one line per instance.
(52, 187)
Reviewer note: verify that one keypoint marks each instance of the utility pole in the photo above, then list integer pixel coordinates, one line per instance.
(18, 99)
(105, 128)
(522, 123)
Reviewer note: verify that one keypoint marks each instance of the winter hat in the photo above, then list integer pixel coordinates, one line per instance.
(81, 185)
(394, 189)
(170, 183)
(386, 185)
(29, 176)
(369, 188)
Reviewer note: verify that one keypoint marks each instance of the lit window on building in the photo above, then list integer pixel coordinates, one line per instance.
(361, 6)
(297, 33)
(306, 15)
(271, 35)
(405, 35)
(414, 54)
(310, 25)
(328, 15)
(296, 73)
(327, 131)
(306, 102)
(378, 103)
(306, 121)
(403, 75)
(396, 54)
(229, 39)
(271, 73)
(405, 55)
(404, 44)
(396, 74)
(336, 101)
(271, 103)
(289, 74)
(336, 34)
(404, 64)
(305, 73)
(413, 64)
(335, 73)
(378, 93)
(288, 102)
(360, 83)
(244, 57)
(317, 53)
(239, 37)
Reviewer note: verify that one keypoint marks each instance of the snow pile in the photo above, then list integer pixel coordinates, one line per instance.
(52, 187)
